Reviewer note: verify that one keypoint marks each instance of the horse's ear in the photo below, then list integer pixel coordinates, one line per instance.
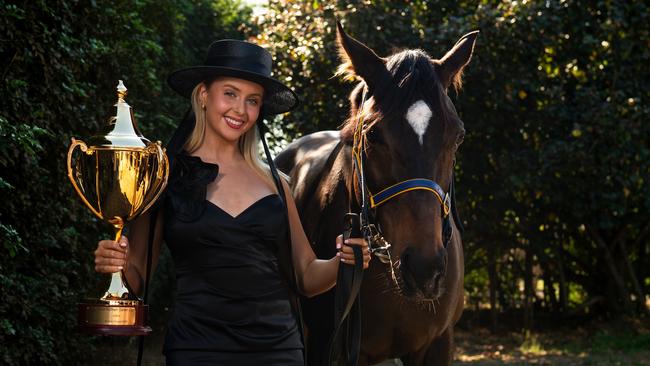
(450, 67)
(357, 58)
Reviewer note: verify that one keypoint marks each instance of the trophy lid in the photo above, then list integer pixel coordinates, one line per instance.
(121, 130)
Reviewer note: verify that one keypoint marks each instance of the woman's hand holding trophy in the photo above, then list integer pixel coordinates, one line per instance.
(111, 256)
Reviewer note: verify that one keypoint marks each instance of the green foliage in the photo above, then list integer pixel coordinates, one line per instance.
(60, 65)
(553, 91)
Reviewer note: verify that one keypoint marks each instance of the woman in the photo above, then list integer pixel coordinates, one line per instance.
(226, 225)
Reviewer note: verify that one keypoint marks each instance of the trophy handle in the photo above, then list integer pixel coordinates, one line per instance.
(82, 145)
(161, 174)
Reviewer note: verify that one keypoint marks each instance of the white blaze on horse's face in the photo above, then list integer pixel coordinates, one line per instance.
(418, 116)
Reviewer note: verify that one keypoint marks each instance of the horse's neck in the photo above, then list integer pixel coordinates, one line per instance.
(343, 159)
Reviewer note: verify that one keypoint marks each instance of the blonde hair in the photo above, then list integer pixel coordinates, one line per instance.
(248, 143)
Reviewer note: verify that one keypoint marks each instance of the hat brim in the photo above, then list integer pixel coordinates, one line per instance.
(278, 98)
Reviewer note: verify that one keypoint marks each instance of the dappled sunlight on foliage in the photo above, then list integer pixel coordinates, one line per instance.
(552, 179)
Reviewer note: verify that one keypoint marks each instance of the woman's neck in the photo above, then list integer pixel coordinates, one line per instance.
(219, 152)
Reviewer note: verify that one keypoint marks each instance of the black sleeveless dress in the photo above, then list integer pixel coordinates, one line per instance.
(232, 305)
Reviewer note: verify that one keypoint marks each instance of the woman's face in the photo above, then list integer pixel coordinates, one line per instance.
(232, 107)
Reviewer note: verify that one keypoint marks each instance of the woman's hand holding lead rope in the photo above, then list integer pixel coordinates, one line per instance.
(344, 250)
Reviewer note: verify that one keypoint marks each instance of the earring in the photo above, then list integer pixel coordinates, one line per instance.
(203, 106)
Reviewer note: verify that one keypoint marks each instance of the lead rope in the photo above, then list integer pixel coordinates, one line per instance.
(280, 187)
(152, 231)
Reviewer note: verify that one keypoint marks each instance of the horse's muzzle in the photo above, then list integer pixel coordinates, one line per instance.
(423, 276)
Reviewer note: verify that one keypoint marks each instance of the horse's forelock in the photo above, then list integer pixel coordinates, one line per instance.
(368, 115)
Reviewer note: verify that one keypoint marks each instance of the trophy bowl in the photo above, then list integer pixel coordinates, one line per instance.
(119, 175)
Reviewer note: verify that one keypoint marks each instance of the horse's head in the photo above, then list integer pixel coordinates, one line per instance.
(412, 131)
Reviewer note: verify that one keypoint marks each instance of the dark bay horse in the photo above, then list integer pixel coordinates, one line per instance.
(410, 304)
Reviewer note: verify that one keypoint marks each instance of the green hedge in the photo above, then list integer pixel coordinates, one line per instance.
(60, 64)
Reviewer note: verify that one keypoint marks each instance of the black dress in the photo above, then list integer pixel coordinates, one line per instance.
(233, 305)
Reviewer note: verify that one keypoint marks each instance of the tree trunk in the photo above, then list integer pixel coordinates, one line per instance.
(550, 297)
(528, 290)
(643, 262)
(641, 243)
(638, 291)
(564, 287)
(494, 278)
(549, 292)
(611, 266)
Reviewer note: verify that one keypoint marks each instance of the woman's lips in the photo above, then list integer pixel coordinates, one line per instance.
(234, 123)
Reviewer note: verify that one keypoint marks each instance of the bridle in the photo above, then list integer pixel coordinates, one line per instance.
(369, 202)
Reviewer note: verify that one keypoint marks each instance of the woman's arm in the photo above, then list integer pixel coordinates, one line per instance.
(135, 270)
(130, 255)
(316, 276)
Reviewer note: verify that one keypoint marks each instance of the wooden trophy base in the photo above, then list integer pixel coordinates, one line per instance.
(112, 317)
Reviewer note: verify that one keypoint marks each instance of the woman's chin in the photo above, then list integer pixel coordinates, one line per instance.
(232, 134)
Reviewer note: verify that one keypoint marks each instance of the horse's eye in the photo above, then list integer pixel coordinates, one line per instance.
(374, 137)
(460, 138)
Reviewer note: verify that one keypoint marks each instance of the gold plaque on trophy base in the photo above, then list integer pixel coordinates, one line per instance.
(113, 317)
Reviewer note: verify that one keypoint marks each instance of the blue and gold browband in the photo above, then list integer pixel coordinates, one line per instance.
(411, 185)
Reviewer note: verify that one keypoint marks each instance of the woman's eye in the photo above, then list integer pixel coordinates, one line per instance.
(229, 94)
(253, 101)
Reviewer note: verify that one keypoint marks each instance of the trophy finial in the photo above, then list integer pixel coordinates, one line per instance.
(121, 129)
(121, 90)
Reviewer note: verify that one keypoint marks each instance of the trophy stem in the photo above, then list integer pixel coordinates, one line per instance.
(117, 289)
(114, 313)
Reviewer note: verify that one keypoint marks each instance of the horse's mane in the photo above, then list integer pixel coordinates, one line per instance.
(409, 72)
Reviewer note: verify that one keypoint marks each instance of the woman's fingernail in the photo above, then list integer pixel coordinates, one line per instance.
(338, 254)
(123, 244)
(338, 246)
(347, 241)
(120, 268)
(342, 259)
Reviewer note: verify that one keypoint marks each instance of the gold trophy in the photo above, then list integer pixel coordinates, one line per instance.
(119, 174)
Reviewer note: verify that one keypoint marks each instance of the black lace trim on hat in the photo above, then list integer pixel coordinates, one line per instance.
(187, 187)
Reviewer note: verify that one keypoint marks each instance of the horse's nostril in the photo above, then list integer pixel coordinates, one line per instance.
(423, 273)
(417, 267)
(406, 259)
(409, 282)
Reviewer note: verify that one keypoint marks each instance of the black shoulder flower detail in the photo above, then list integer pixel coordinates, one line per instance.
(188, 182)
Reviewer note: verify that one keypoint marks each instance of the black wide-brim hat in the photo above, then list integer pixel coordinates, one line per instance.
(242, 60)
